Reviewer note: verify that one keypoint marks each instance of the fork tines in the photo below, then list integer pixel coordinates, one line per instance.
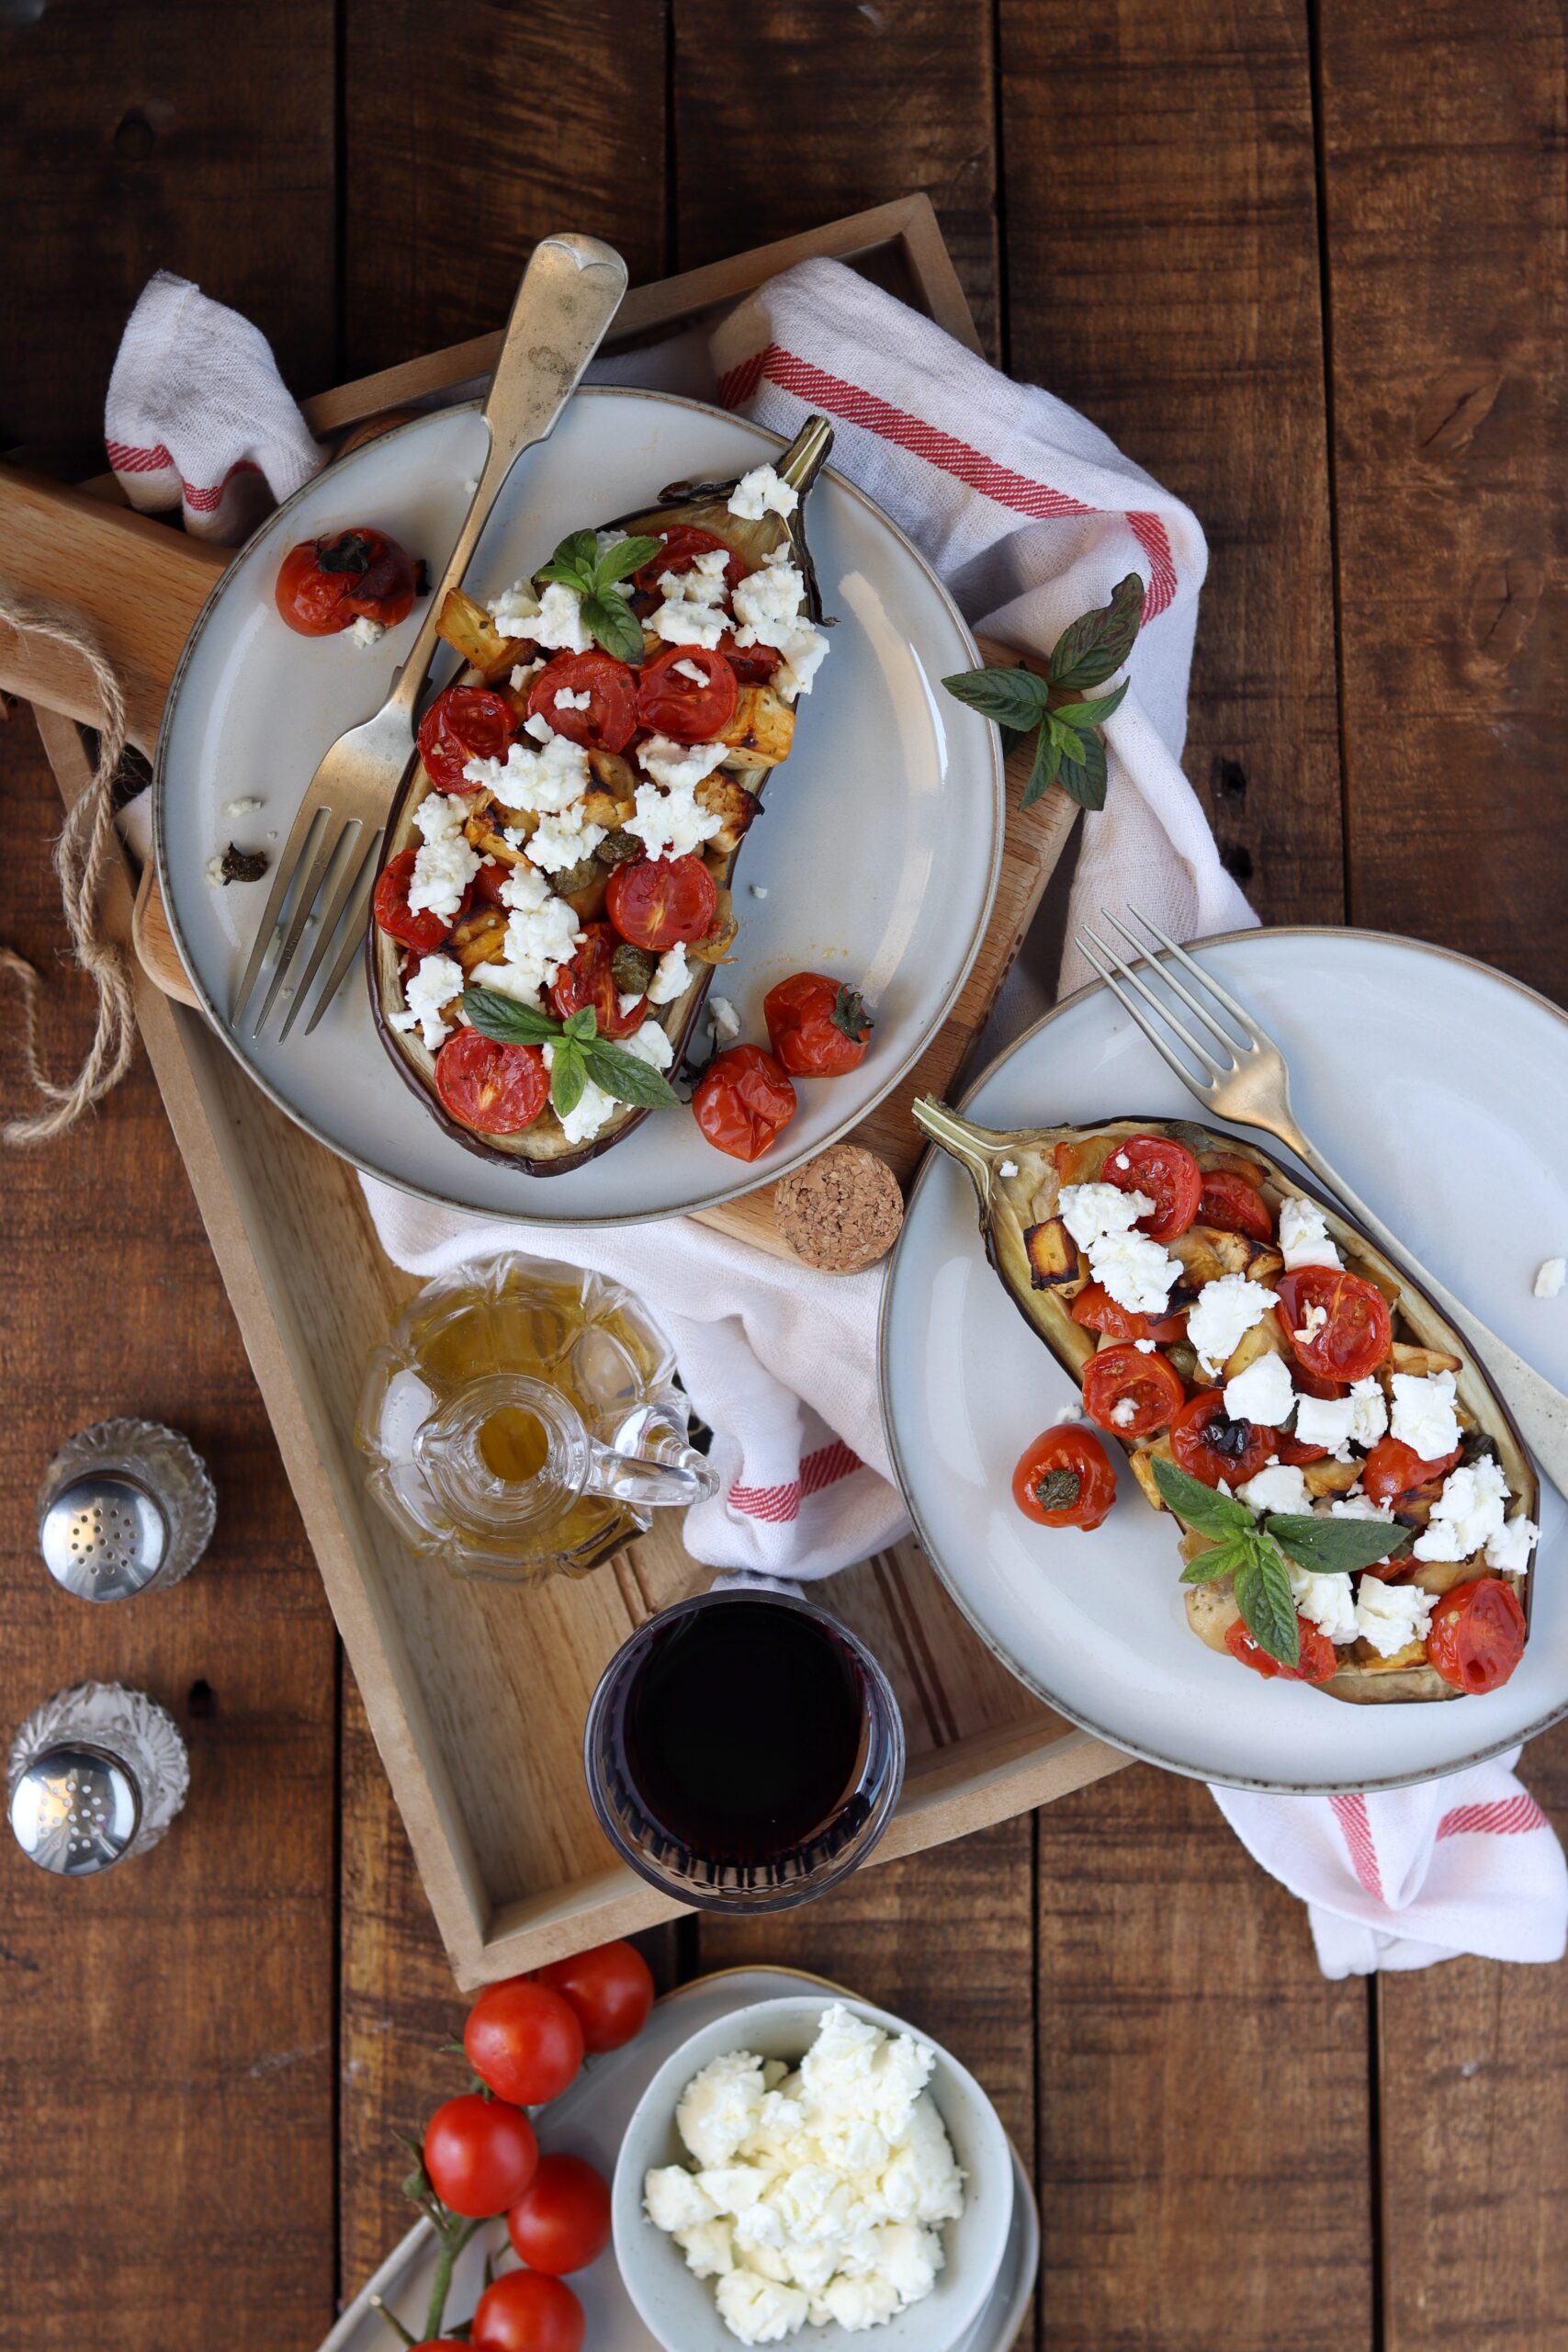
(1129, 988)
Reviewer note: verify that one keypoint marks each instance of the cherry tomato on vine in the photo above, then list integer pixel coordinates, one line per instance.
(687, 694)
(523, 2039)
(325, 586)
(610, 1986)
(1064, 1479)
(1344, 1318)
(425, 931)
(561, 2222)
(526, 2310)
(1208, 1444)
(1477, 1634)
(608, 720)
(480, 2154)
(464, 723)
(1129, 1394)
(660, 901)
(1167, 1173)
(744, 1102)
(496, 1088)
(1316, 1661)
(817, 1027)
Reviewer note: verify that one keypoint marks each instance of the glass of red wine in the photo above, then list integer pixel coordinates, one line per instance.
(744, 1750)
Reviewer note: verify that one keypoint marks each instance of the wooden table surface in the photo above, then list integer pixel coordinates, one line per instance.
(1305, 263)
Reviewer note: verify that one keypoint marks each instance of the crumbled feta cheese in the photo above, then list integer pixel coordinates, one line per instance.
(759, 890)
(673, 979)
(1327, 1601)
(554, 619)
(1392, 1616)
(627, 1001)
(1467, 1515)
(539, 727)
(566, 700)
(543, 781)
(557, 842)
(1304, 1235)
(679, 766)
(1146, 1347)
(429, 989)
(1278, 1486)
(592, 1110)
(761, 492)
(1135, 1270)
(723, 1019)
(1549, 1277)
(365, 631)
(1262, 1393)
(758, 2309)
(524, 672)
(708, 2247)
(445, 862)
(1508, 1550)
(805, 650)
(693, 612)
(1225, 1313)
(671, 824)
(542, 933)
(1312, 1324)
(1356, 1505)
(1423, 1416)
(1124, 1410)
(675, 2200)
(721, 2107)
(650, 1043)
(1007, 1168)
(246, 806)
(1369, 1419)
(1327, 1422)
(768, 601)
(684, 669)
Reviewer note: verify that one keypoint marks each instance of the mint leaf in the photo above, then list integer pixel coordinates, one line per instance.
(611, 619)
(1043, 774)
(1068, 738)
(625, 557)
(1086, 654)
(1198, 1506)
(1263, 1596)
(1223, 1561)
(1084, 780)
(1012, 698)
(1336, 1546)
(495, 1014)
(1095, 713)
(627, 1076)
(568, 1076)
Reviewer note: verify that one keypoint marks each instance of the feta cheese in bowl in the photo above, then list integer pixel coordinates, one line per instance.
(806, 2169)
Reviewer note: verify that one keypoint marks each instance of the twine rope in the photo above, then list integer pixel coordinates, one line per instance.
(84, 857)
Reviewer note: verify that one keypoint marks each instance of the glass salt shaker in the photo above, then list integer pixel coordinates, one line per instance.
(96, 1775)
(126, 1506)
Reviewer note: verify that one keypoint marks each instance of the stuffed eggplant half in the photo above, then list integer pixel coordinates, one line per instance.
(1356, 1505)
(555, 887)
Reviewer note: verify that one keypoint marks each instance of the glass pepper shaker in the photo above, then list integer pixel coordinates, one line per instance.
(126, 1506)
(96, 1774)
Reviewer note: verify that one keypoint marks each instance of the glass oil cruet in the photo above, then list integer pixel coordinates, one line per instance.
(523, 1420)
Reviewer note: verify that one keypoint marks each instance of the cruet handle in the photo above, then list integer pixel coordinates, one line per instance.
(650, 1463)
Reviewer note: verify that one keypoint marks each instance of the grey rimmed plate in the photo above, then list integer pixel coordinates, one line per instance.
(877, 849)
(1437, 1085)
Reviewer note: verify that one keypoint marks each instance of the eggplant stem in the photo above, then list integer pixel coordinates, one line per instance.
(807, 454)
(972, 1146)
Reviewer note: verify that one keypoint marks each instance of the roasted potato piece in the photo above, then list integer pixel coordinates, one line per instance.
(488, 843)
(1265, 1339)
(1421, 1362)
(1207, 1251)
(602, 808)
(1441, 1575)
(1144, 1458)
(469, 627)
(614, 774)
(1079, 1162)
(1365, 1659)
(761, 730)
(480, 939)
(1053, 1255)
(1331, 1478)
(1212, 1611)
(722, 796)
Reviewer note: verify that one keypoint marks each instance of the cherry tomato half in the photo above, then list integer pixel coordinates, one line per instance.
(1345, 1317)
(1064, 1479)
(1234, 1206)
(464, 723)
(425, 931)
(610, 1986)
(1166, 1172)
(480, 2154)
(689, 710)
(1096, 1309)
(1291, 1450)
(561, 2222)
(679, 548)
(608, 722)
(1209, 1446)
(1119, 1377)
(817, 1027)
(588, 981)
(1316, 1661)
(524, 2311)
(325, 586)
(1477, 1635)
(523, 2039)
(744, 1102)
(497, 1089)
(754, 664)
(1393, 1469)
(659, 901)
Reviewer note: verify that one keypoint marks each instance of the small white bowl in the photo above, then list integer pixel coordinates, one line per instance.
(679, 2309)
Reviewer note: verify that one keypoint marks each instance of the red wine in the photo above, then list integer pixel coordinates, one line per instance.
(746, 1731)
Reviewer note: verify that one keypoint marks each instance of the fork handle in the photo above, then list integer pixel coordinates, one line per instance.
(570, 291)
(1541, 1410)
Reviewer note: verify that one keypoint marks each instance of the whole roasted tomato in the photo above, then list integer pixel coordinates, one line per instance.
(679, 549)
(1064, 1479)
(1234, 1206)
(327, 584)
(1096, 1309)
(817, 1027)
(744, 1101)
(661, 902)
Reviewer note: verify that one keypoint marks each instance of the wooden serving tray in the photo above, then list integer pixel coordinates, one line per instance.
(476, 1695)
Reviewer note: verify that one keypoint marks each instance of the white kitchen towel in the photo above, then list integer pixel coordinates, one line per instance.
(1403, 1877)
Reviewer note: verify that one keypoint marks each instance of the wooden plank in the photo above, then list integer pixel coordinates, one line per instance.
(799, 109)
(1202, 2091)
(1447, 211)
(1162, 276)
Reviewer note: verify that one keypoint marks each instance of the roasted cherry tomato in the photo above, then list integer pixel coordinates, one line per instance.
(687, 694)
(610, 1986)
(1064, 1479)
(1477, 1635)
(682, 545)
(754, 664)
(480, 2154)
(1234, 1206)
(425, 931)
(465, 723)
(817, 1027)
(1345, 1319)
(1393, 1469)
(1312, 1384)
(327, 584)
(1315, 1663)
(561, 2222)
(524, 2039)
(487, 883)
(608, 720)
(497, 1089)
(1096, 1309)
(1209, 1446)
(526, 2310)
(1121, 1378)
(1166, 1172)
(1291, 1450)
(588, 981)
(744, 1102)
(659, 901)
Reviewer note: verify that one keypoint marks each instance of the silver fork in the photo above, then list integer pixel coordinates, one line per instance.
(570, 291)
(1250, 1087)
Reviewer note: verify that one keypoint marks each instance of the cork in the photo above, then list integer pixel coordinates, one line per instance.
(841, 1211)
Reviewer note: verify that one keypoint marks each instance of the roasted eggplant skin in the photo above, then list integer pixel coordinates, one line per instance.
(542, 1149)
(1006, 1218)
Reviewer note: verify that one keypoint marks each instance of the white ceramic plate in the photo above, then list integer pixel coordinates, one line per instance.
(1438, 1087)
(588, 2120)
(877, 847)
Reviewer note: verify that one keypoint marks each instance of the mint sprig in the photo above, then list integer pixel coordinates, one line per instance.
(577, 563)
(578, 1053)
(1068, 747)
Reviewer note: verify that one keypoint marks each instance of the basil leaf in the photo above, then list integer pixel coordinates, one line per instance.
(625, 557)
(1084, 780)
(584, 1024)
(611, 619)
(1086, 654)
(575, 561)
(1223, 1561)
(1336, 1546)
(1095, 713)
(1012, 698)
(1043, 774)
(568, 1076)
(627, 1076)
(1199, 1506)
(1263, 1596)
(580, 583)
(495, 1014)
